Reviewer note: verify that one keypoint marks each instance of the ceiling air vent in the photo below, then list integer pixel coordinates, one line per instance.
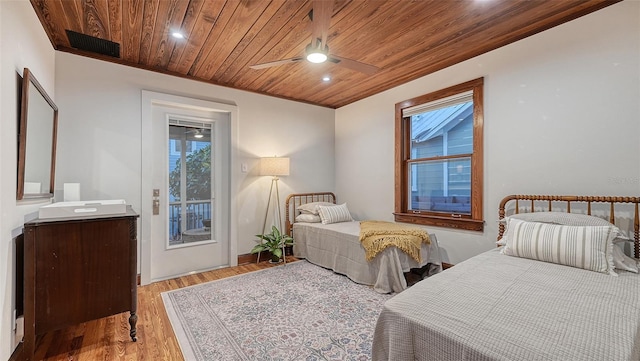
(93, 44)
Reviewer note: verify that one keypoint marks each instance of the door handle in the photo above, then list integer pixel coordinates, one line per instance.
(155, 204)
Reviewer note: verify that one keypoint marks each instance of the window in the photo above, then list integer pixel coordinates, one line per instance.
(190, 177)
(438, 171)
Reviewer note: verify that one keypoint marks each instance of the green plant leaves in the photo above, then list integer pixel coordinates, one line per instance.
(258, 248)
(198, 176)
(273, 242)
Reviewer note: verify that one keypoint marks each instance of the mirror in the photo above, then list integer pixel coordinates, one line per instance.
(36, 140)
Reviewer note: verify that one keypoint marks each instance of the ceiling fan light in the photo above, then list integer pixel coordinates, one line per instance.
(317, 57)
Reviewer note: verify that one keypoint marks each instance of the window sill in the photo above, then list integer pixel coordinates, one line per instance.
(448, 222)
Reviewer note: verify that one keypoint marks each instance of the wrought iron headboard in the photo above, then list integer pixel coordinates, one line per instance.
(295, 200)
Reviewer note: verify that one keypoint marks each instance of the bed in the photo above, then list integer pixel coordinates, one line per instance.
(336, 246)
(501, 307)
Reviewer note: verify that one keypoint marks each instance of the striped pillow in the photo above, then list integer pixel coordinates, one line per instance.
(569, 219)
(564, 218)
(334, 214)
(588, 247)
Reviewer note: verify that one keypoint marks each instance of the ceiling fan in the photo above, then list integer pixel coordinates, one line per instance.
(317, 51)
(197, 133)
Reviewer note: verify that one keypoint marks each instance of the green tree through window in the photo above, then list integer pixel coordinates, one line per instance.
(198, 176)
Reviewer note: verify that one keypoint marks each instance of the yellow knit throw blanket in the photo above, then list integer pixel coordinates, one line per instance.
(376, 236)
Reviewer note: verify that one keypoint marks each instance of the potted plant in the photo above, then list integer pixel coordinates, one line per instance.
(273, 242)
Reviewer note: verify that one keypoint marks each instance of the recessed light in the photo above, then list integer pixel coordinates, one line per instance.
(177, 35)
(326, 78)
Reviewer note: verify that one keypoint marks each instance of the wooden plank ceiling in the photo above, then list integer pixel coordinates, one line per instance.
(404, 39)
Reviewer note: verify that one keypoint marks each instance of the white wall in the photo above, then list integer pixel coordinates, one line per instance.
(99, 136)
(23, 43)
(571, 94)
(562, 116)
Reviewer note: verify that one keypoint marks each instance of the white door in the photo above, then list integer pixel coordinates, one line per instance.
(186, 187)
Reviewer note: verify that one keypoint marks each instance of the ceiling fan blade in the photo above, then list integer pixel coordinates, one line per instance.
(276, 63)
(353, 64)
(322, 11)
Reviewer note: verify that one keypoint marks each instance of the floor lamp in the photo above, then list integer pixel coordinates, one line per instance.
(274, 167)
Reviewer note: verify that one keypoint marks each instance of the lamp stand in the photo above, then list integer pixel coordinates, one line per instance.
(278, 217)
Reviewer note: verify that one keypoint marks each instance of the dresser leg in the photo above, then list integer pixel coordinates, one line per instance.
(133, 320)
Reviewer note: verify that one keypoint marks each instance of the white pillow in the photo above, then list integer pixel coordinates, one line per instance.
(587, 247)
(568, 219)
(334, 214)
(564, 218)
(623, 262)
(620, 260)
(308, 218)
(312, 208)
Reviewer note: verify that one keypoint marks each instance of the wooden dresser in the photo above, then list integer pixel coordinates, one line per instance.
(76, 270)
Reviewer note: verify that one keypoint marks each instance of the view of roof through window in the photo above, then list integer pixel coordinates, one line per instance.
(425, 126)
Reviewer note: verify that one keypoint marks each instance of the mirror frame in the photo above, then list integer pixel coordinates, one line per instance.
(28, 80)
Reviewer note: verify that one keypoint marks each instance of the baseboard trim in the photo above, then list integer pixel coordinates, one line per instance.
(249, 258)
(264, 255)
(253, 257)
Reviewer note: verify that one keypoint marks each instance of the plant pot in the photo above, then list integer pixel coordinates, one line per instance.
(275, 259)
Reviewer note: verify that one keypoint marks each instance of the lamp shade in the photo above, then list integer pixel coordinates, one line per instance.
(274, 166)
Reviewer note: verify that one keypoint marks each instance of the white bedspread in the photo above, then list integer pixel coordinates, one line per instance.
(497, 307)
(336, 246)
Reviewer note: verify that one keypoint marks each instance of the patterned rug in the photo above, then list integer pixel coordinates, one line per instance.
(295, 312)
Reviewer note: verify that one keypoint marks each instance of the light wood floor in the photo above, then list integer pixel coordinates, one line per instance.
(108, 338)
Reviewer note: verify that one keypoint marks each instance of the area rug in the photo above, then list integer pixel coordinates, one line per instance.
(295, 312)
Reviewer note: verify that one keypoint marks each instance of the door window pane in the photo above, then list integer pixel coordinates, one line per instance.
(190, 182)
